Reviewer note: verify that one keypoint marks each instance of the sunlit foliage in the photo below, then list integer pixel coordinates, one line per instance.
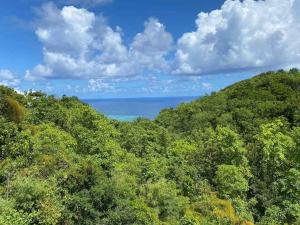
(231, 158)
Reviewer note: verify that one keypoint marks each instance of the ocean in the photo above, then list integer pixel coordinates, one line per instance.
(128, 109)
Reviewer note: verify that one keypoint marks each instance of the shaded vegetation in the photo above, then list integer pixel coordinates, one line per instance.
(229, 158)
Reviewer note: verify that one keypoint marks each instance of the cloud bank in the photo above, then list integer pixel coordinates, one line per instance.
(78, 44)
(241, 35)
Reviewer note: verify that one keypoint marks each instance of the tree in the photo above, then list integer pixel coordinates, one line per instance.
(165, 198)
(231, 182)
(10, 216)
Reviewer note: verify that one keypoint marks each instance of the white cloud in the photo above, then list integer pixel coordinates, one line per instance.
(99, 85)
(240, 36)
(79, 44)
(206, 85)
(151, 47)
(39, 70)
(76, 44)
(8, 78)
(67, 30)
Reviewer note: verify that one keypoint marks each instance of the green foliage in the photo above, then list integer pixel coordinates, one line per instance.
(230, 181)
(10, 216)
(229, 158)
(48, 139)
(15, 110)
(37, 199)
(164, 197)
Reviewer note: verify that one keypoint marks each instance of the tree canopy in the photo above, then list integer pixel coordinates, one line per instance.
(232, 157)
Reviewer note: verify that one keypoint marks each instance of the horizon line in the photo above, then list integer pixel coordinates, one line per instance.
(141, 97)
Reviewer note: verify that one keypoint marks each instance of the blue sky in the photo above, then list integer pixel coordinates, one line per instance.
(122, 48)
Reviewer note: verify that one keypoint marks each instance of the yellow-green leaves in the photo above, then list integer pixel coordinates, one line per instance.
(231, 182)
(15, 109)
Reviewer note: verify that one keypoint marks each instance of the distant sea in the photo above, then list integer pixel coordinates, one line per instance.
(128, 109)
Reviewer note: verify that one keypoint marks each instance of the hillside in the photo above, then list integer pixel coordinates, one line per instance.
(229, 158)
(242, 106)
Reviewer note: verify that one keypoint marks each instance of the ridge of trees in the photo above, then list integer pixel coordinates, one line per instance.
(229, 158)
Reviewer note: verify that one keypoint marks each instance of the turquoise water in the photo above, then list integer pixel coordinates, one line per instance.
(128, 109)
(123, 117)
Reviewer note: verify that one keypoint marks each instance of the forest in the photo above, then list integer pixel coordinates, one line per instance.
(232, 157)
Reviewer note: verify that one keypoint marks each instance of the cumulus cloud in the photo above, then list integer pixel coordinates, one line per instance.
(151, 47)
(242, 35)
(8, 78)
(79, 44)
(75, 44)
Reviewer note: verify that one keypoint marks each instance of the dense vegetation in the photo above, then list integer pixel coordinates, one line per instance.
(229, 158)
